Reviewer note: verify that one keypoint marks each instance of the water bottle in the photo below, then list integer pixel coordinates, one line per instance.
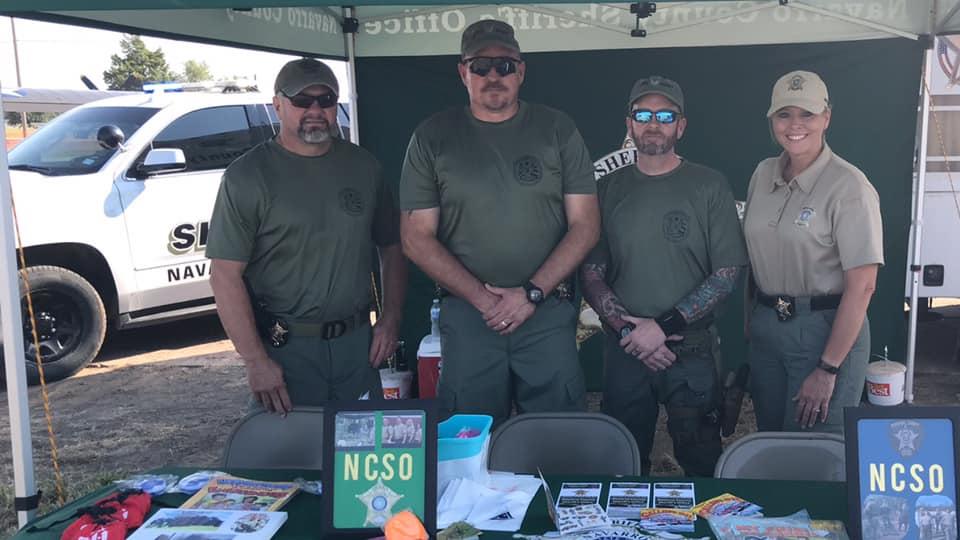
(435, 318)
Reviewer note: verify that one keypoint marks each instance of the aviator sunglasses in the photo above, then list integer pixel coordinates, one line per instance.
(481, 65)
(304, 101)
(645, 116)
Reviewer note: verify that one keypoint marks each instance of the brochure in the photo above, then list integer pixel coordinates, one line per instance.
(232, 493)
(578, 494)
(626, 499)
(674, 495)
(189, 524)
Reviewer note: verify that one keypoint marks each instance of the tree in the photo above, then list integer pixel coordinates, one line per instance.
(135, 66)
(33, 118)
(194, 71)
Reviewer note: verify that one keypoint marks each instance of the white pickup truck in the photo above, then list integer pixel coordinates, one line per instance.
(113, 200)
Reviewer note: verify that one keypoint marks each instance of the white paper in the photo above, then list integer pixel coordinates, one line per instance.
(499, 506)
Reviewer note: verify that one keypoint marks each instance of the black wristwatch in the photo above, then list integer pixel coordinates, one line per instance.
(534, 293)
(671, 322)
(833, 370)
(626, 329)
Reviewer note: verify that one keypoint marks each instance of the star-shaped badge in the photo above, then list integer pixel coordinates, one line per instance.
(379, 499)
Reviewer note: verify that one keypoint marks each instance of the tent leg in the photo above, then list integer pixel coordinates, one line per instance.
(15, 372)
(351, 46)
(916, 229)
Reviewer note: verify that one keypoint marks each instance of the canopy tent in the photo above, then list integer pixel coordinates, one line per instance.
(390, 35)
(391, 28)
(48, 100)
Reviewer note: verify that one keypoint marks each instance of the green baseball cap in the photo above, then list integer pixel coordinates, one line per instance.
(296, 75)
(487, 33)
(656, 84)
(803, 89)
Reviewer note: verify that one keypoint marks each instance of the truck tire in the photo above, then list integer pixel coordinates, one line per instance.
(71, 322)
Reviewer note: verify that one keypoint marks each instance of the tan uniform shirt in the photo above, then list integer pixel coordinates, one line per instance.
(803, 233)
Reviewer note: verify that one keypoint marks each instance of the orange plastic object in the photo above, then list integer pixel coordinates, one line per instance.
(404, 526)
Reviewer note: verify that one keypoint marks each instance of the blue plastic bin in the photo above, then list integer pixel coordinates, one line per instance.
(450, 447)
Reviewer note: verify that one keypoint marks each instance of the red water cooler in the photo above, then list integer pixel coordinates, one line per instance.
(429, 360)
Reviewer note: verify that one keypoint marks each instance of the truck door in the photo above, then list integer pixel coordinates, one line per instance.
(167, 215)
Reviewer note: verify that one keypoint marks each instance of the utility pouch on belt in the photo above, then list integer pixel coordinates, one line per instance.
(734, 387)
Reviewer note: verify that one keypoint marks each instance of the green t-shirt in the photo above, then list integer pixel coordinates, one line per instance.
(499, 186)
(664, 235)
(306, 227)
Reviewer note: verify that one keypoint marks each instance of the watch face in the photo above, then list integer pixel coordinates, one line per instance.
(535, 295)
(625, 331)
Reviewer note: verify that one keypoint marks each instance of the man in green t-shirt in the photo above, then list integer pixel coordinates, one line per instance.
(499, 207)
(671, 248)
(292, 238)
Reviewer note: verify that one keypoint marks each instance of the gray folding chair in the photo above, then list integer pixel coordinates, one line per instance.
(564, 443)
(263, 440)
(774, 455)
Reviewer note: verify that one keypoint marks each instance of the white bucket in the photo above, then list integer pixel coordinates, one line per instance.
(885, 382)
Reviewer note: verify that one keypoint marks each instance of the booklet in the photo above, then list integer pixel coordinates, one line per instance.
(578, 494)
(726, 505)
(667, 519)
(626, 499)
(192, 524)
(673, 495)
(232, 493)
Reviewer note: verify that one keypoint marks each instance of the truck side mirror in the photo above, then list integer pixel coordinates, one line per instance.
(110, 136)
(161, 160)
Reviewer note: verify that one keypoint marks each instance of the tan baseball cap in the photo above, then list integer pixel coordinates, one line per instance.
(487, 33)
(296, 75)
(656, 84)
(803, 89)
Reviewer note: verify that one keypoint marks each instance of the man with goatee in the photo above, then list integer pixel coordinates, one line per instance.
(292, 238)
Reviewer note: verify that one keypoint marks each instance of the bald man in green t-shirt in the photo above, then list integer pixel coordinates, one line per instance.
(292, 238)
(670, 251)
(499, 207)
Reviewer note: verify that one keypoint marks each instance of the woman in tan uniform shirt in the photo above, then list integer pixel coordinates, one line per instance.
(814, 235)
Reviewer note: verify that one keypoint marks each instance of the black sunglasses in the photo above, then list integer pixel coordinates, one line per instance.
(481, 65)
(645, 116)
(304, 101)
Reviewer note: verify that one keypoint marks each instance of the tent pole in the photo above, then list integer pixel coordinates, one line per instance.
(350, 40)
(796, 4)
(916, 227)
(12, 332)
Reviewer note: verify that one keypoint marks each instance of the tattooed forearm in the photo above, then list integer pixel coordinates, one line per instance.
(599, 295)
(710, 293)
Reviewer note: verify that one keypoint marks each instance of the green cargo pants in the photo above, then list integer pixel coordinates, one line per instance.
(318, 370)
(689, 389)
(536, 366)
(783, 354)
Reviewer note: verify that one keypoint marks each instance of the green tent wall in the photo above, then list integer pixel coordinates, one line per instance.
(873, 84)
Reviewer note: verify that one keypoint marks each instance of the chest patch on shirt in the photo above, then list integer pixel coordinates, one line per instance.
(351, 201)
(676, 226)
(527, 170)
(804, 217)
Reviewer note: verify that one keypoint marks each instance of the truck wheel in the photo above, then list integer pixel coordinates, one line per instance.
(71, 322)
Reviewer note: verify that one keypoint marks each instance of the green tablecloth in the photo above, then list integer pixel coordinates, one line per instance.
(824, 500)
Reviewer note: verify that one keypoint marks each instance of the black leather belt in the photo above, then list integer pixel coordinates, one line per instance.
(786, 306)
(278, 330)
(563, 291)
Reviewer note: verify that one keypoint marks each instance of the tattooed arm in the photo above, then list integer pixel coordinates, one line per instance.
(708, 294)
(599, 295)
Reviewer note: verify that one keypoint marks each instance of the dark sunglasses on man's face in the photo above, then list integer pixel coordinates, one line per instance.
(304, 101)
(645, 116)
(481, 65)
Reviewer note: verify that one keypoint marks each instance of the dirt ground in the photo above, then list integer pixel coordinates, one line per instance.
(169, 396)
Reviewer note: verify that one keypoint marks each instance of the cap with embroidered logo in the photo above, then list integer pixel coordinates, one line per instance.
(656, 84)
(487, 33)
(803, 89)
(296, 75)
